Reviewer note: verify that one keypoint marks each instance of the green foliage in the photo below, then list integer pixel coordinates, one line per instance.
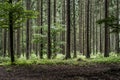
(4, 59)
(81, 60)
(111, 22)
(99, 58)
(39, 38)
(108, 20)
(98, 55)
(20, 14)
(106, 60)
(42, 38)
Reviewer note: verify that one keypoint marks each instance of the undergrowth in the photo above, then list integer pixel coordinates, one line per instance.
(81, 60)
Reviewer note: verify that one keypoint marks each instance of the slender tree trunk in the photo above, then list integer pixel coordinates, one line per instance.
(90, 28)
(93, 30)
(23, 47)
(117, 33)
(41, 31)
(106, 52)
(88, 49)
(96, 36)
(68, 31)
(63, 23)
(1, 40)
(54, 37)
(84, 16)
(28, 32)
(101, 50)
(18, 43)
(74, 28)
(49, 26)
(18, 46)
(11, 34)
(81, 26)
(38, 24)
(4, 42)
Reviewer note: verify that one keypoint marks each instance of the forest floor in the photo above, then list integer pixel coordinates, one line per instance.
(61, 72)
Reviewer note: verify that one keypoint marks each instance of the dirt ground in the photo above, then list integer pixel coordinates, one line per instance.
(61, 72)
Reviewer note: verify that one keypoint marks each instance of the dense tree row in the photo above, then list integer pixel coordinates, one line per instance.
(51, 27)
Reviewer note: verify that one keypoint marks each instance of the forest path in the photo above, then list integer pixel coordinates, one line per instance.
(61, 72)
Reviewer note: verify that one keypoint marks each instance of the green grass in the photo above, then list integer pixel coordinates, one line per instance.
(81, 60)
(105, 60)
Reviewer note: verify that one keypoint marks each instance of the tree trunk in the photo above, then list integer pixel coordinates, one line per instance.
(117, 33)
(11, 34)
(68, 31)
(41, 31)
(63, 23)
(4, 42)
(87, 27)
(107, 37)
(49, 26)
(54, 36)
(74, 28)
(81, 26)
(18, 43)
(28, 32)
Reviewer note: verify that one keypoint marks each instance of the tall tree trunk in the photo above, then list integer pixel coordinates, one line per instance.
(28, 32)
(41, 30)
(54, 37)
(74, 28)
(38, 24)
(93, 43)
(90, 28)
(101, 50)
(23, 47)
(4, 42)
(81, 26)
(117, 33)
(84, 29)
(96, 36)
(107, 37)
(87, 27)
(63, 23)
(11, 34)
(49, 26)
(18, 41)
(1, 40)
(68, 31)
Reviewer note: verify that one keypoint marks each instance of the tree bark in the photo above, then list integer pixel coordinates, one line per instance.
(74, 28)
(28, 32)
(11, 34)
(49, 26)
(107, 36)
(87, 27)
(68, 31)
(117, 33)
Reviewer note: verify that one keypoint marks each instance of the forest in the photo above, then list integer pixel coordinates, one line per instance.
(59, 40)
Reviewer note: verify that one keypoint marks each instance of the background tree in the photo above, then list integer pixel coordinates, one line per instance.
(74, 27)
(41, 31)
(117, 32)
